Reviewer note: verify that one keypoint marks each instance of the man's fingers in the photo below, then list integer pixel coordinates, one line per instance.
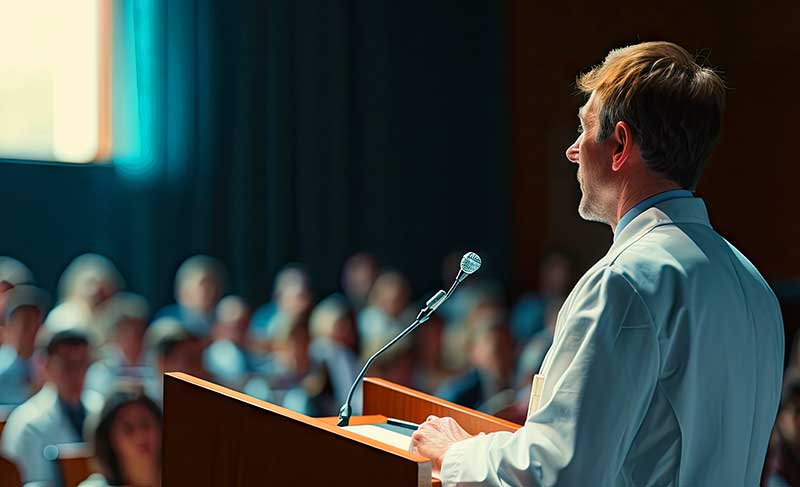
(432, 418)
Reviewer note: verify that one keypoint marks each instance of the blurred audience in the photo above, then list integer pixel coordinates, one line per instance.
(783, 460)
(173, 349)
(484, 305)
(121, 326)
(25, 307)
(12, 273)
(335, 343)
(199, 284)
(86, 284)
(556, 278)
(53, 418)
(127, 442)
(387, 313)
(96, 345)
(228, 357)
(292, 298)
(490, 368)
(358, 276)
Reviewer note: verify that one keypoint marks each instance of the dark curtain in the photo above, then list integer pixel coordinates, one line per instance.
(266, 132)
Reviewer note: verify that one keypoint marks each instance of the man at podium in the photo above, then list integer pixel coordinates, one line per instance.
(666, 364)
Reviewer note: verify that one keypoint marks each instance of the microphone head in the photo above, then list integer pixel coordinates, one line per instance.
(470, 263)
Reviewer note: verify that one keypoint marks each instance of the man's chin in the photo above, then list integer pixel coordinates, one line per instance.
(588, 214)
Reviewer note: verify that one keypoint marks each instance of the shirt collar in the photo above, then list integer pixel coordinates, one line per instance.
(649, 203)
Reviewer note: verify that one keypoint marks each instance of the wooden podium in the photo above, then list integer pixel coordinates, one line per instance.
(214, 436)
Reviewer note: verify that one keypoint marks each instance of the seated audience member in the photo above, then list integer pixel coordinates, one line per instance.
(334, 351)
(783, 457)
(55, 418)
(387, 314)
(292, 298)
(122, 326)
(12, 273)
(228, 358)
(174, 349)
(86, 284)
(199, 284)
(491, 366)
(358, 276)
(25, 308)
(127, 442)
(556, 278)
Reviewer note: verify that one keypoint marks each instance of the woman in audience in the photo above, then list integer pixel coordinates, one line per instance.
(87, 283)
(127, 442)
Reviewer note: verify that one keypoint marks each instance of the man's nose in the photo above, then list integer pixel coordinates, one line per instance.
(572, 151)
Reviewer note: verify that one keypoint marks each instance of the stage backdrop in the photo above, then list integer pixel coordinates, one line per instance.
(263, 132)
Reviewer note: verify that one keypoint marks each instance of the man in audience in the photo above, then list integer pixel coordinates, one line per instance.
(175, 350)
(199, 284)
(122, 327)
(25, 307)
(52, 418)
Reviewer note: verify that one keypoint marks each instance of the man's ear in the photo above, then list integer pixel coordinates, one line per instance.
(623, 141)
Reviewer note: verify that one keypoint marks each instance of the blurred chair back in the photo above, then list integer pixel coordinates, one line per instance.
(74, 462)
(9, 474)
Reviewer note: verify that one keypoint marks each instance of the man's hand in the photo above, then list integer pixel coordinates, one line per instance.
(434, 437)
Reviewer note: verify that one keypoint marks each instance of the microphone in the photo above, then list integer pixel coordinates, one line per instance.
(470, 263)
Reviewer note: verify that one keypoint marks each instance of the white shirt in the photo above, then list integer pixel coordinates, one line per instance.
(36, 424)
(665, 370)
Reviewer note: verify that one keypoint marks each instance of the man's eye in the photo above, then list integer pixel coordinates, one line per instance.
(580, 128)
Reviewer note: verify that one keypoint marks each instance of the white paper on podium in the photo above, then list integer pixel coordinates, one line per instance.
(384, 436)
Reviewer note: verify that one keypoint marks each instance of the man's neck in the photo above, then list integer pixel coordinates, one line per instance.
(633, 193)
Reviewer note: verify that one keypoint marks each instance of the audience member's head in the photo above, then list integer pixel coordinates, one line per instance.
(292, 290)
(123, 323)
(293, 352)
(333, 320)
(232, 320)
(358, 276)
(68, 358)
(12, 273)
(390, 293)
(90, 279)
(176, 350)
(127, 440)
(199, 283)
(25, 308)
(490, 348)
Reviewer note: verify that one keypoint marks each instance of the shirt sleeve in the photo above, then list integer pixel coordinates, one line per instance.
(600, 375)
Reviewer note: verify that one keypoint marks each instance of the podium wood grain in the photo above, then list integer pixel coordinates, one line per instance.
(214, 436)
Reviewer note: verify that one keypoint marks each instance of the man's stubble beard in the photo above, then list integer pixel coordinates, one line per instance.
(589, 207)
